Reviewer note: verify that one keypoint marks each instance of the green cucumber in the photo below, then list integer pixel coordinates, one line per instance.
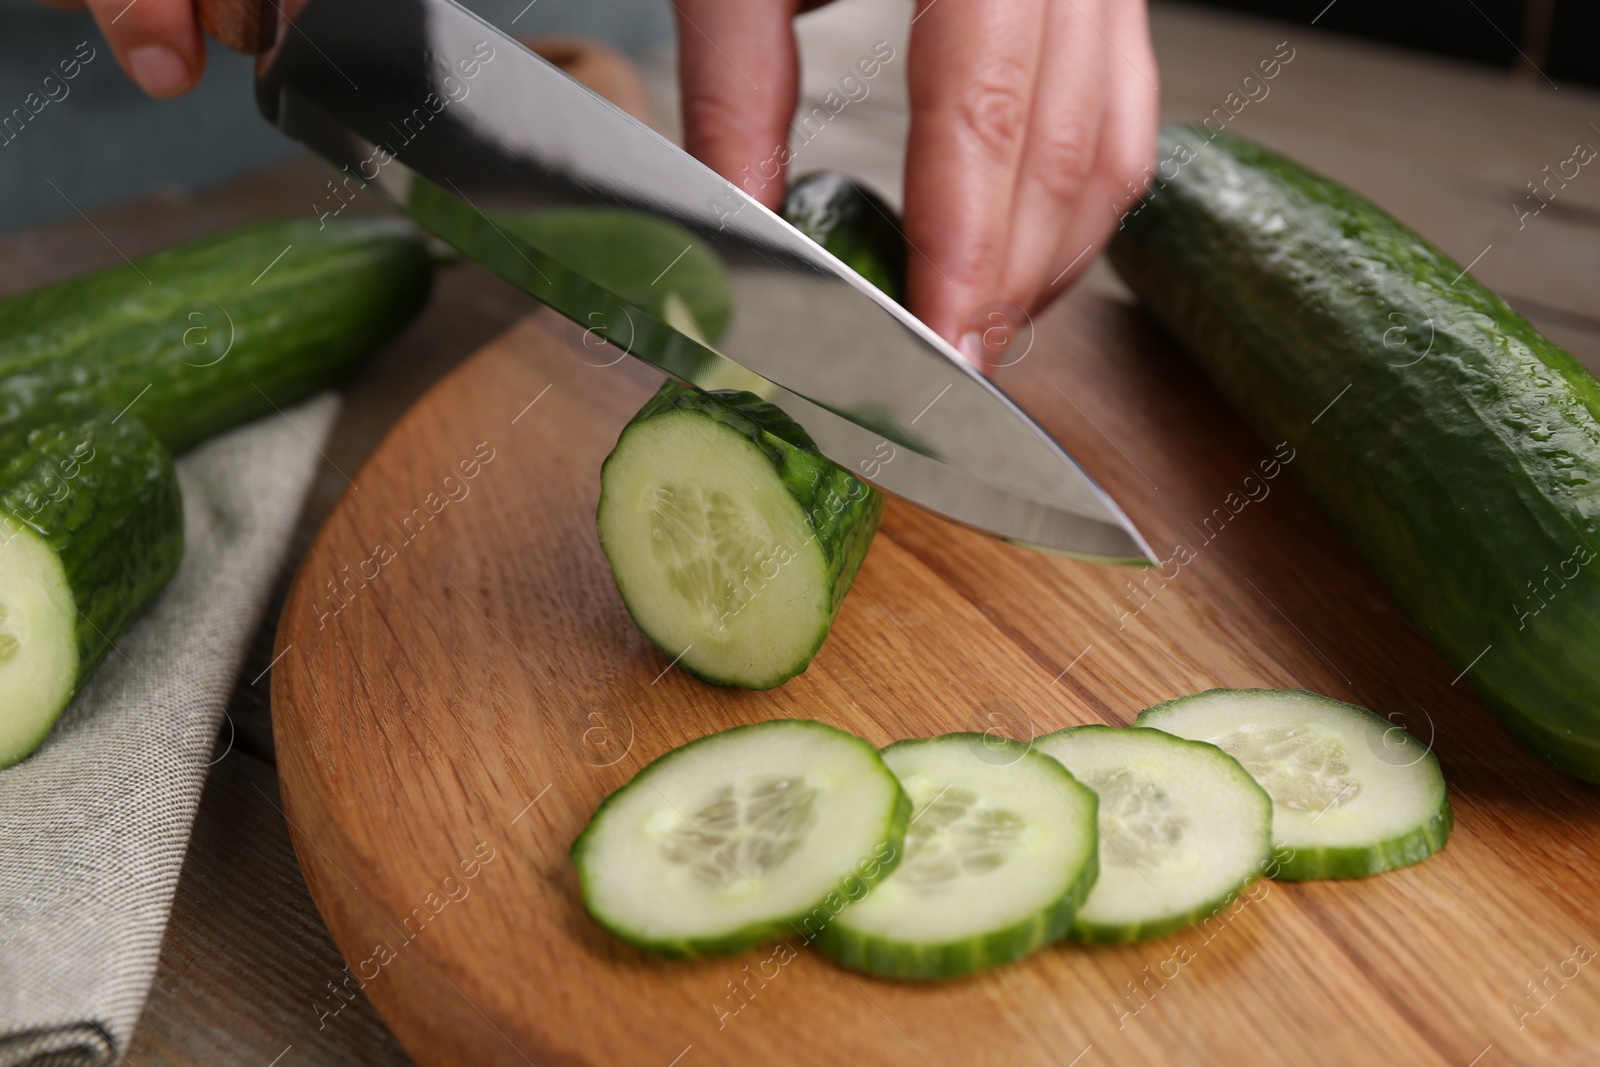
(91, 528)
(1453, 445)
(854, 224)
(1183, 829)
(1352, 794)
(216, 332)
(732, 541)
(999, 856)
(741, 837)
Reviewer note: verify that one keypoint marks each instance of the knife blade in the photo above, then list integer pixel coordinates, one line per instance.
(463, 129)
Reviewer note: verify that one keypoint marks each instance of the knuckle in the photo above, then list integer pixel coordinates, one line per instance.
(994, 106)
(1064, 159)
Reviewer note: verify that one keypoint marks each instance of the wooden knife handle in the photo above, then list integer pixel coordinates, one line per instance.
(246, 26)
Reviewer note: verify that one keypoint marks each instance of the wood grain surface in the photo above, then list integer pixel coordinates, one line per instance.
(468, 703)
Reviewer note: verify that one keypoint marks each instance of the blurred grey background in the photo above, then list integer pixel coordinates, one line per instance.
(104, 141)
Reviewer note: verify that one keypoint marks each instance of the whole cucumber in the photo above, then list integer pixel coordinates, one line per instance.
(1456, 447)
(216, 332)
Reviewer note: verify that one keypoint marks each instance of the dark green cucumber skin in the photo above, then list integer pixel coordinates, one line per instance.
(925, 962)
(842, 513)
(102, 493)
(854, 224)
(737, 941)
(336, 294)
(1402, 851)
(1465, 473)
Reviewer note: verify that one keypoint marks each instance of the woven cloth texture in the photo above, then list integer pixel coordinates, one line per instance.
(94, 825)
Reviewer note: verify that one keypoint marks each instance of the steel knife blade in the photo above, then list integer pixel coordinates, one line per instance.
(465, 130)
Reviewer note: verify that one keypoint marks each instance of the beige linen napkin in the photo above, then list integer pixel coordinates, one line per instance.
(94, 825)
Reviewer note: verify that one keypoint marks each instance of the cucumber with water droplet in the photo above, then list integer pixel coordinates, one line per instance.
(1000, 854)
(1352, 794)
(741, 837)
(1183, 829)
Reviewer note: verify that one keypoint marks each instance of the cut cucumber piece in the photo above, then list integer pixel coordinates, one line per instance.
(741, 837)
(1352, 795)
(999, 854)
(731, 540)
(91, 528)
(1183, 828)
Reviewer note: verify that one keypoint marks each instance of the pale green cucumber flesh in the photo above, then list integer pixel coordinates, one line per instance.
(38, 640)
(999, 854)
(732, 545)
(1183, 829)
(741, 837)
(1353, 795)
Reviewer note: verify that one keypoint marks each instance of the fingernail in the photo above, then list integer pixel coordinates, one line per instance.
(158, 69)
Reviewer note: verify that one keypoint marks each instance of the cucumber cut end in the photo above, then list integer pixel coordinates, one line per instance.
(711, 553)
(1353, 794)
(1183, 828)
(38, 640)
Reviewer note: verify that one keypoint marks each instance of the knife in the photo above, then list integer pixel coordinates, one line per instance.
(460, 127)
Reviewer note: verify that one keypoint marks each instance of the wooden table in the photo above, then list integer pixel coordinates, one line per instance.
(248, 973)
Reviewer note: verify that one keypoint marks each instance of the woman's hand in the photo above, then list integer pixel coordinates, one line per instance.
(1031, 124)
(157, 42)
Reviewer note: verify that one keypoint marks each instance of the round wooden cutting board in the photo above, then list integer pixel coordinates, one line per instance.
(460, 687)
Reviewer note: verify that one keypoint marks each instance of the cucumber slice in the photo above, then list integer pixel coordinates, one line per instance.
(998, 856)
(91, 528)
(731, 541)
(741, 836)
(1183, 828)
(1352, 794)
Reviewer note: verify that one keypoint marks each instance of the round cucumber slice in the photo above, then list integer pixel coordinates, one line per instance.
(731, 544)
(38, 640)
(1183, 828)
(999, 854)
(1352, 794)
(740, 837)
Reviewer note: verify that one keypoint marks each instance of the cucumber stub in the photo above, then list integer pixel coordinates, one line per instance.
(91, 528)
(741, 837)
(999, 855)
(1352, 794)
(730, 539)
(1183, 828)
(853, 223)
